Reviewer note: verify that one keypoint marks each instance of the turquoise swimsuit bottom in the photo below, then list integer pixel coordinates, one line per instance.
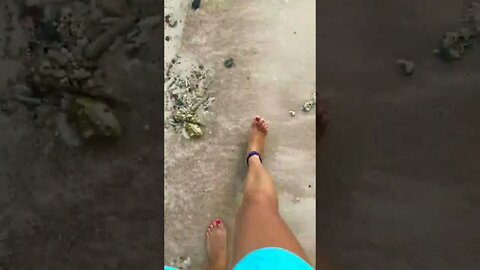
(269, 259)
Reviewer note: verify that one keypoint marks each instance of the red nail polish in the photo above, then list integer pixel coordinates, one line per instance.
(257, 118)
(218, 221)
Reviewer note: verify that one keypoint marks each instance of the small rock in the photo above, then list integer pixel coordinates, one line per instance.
(93, 118)
(455, 43)
(170, 22)
(196, 4)
(183, 263)
(310, 104)
(193, 130)
(408, 67)
(229, 63)
(167, 38)
(292, 113)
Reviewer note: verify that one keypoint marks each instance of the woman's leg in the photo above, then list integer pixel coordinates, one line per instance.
(258, 222)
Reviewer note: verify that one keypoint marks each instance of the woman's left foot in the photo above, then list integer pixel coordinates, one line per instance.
(217, 245)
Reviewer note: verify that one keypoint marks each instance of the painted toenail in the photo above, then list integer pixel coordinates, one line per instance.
(257, 118)
(218, 221)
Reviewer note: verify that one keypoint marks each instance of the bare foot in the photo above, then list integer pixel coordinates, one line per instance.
(258, 133)
(217, 245)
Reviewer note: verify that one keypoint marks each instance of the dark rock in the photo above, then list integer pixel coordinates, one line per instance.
(171, 22)
(196, 4)
(229, 63)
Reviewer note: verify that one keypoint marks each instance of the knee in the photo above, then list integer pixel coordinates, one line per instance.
(260, 198)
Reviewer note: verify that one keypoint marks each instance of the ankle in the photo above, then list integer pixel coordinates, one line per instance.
(254, 160)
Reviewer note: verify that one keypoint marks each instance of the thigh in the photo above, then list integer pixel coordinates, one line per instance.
(259, 225)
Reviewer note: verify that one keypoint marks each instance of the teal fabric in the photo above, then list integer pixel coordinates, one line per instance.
(269, 259)
(272, 258)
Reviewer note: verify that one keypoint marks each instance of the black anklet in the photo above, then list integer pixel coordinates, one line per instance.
(254, 153)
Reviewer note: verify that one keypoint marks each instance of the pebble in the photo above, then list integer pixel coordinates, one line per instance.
(408, 67)
(229, 63)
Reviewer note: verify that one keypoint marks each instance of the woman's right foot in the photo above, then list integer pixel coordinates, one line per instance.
(258, 133)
